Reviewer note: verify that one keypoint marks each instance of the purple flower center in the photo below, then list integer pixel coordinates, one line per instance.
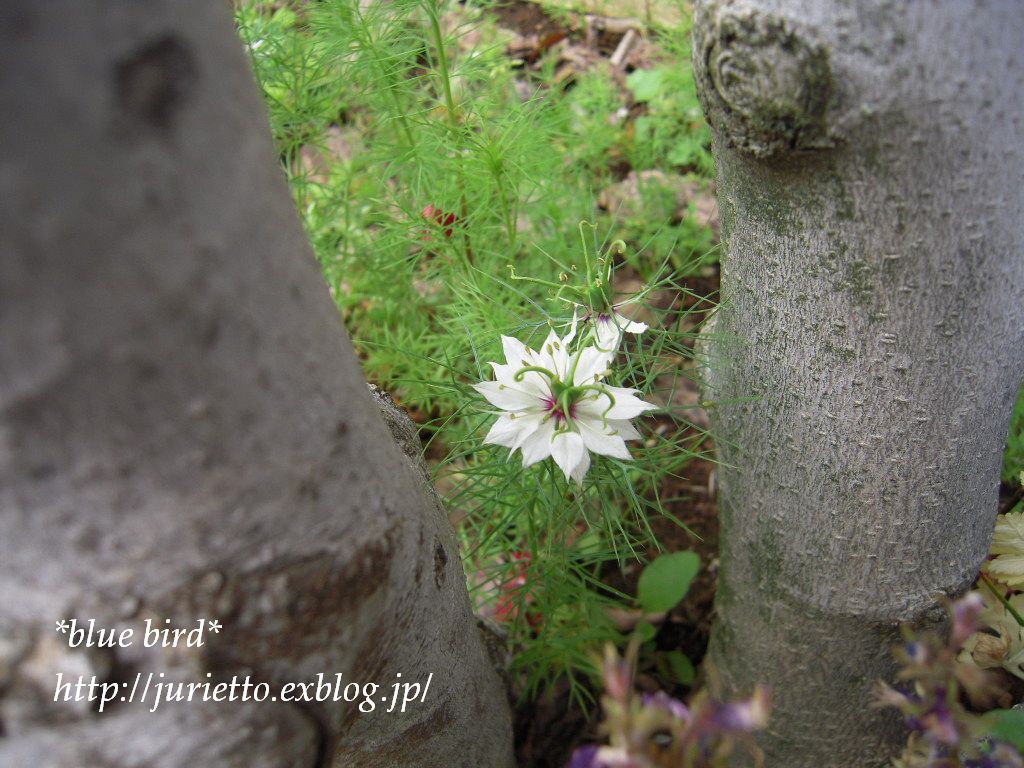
(556, 412)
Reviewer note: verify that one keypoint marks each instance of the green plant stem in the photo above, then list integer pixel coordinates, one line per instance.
(451, 111)
(586, 253)
(366, 41)
(506, 209)
(442, 63)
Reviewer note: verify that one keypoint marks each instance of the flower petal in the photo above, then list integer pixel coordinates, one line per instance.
(591, 366)
(608, 330)
(537, 445)
(516, 352)
(507, 398)
(533, 382)
(504, 432)
(529, 422)
(568, 450)
(626, 404)
(572, 328)
(511, 429)
(674, 707)
(624, 429)
(585, 757)
(581, 469)
(615, 757)
(629, 326)
(606, 333)
(600, 440)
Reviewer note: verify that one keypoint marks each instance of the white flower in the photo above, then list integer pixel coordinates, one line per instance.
(608, 329)
(555, 404)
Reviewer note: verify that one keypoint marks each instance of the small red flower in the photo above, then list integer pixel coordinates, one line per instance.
(511, 593)
(442, 218)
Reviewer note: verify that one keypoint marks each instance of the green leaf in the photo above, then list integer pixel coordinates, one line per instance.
(682, 667)
(646, 84)
(1007, 725)
(666, 581)
(686, 151)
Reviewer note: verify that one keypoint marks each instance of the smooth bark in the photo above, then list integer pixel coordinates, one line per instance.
(184, 430)
(870, 341)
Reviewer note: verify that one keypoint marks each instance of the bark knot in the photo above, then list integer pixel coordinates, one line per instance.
(764, 85)
(153, 82)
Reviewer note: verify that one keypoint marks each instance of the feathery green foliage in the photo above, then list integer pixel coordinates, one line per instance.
(424, 164)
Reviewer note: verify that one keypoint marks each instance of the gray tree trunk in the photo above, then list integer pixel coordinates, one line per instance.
(870, 340)
(184, 430)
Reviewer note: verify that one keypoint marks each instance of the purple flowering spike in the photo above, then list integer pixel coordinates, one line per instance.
(673, 706)
(966, 618)
(585, 757)
(743, 716)
(940, 722)
(916, 652)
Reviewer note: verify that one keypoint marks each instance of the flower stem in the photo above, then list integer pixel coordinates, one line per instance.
(586, 253)
(1002, 599)
(506, 210)
(442, 63)
(452, 113)
(548, 283)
